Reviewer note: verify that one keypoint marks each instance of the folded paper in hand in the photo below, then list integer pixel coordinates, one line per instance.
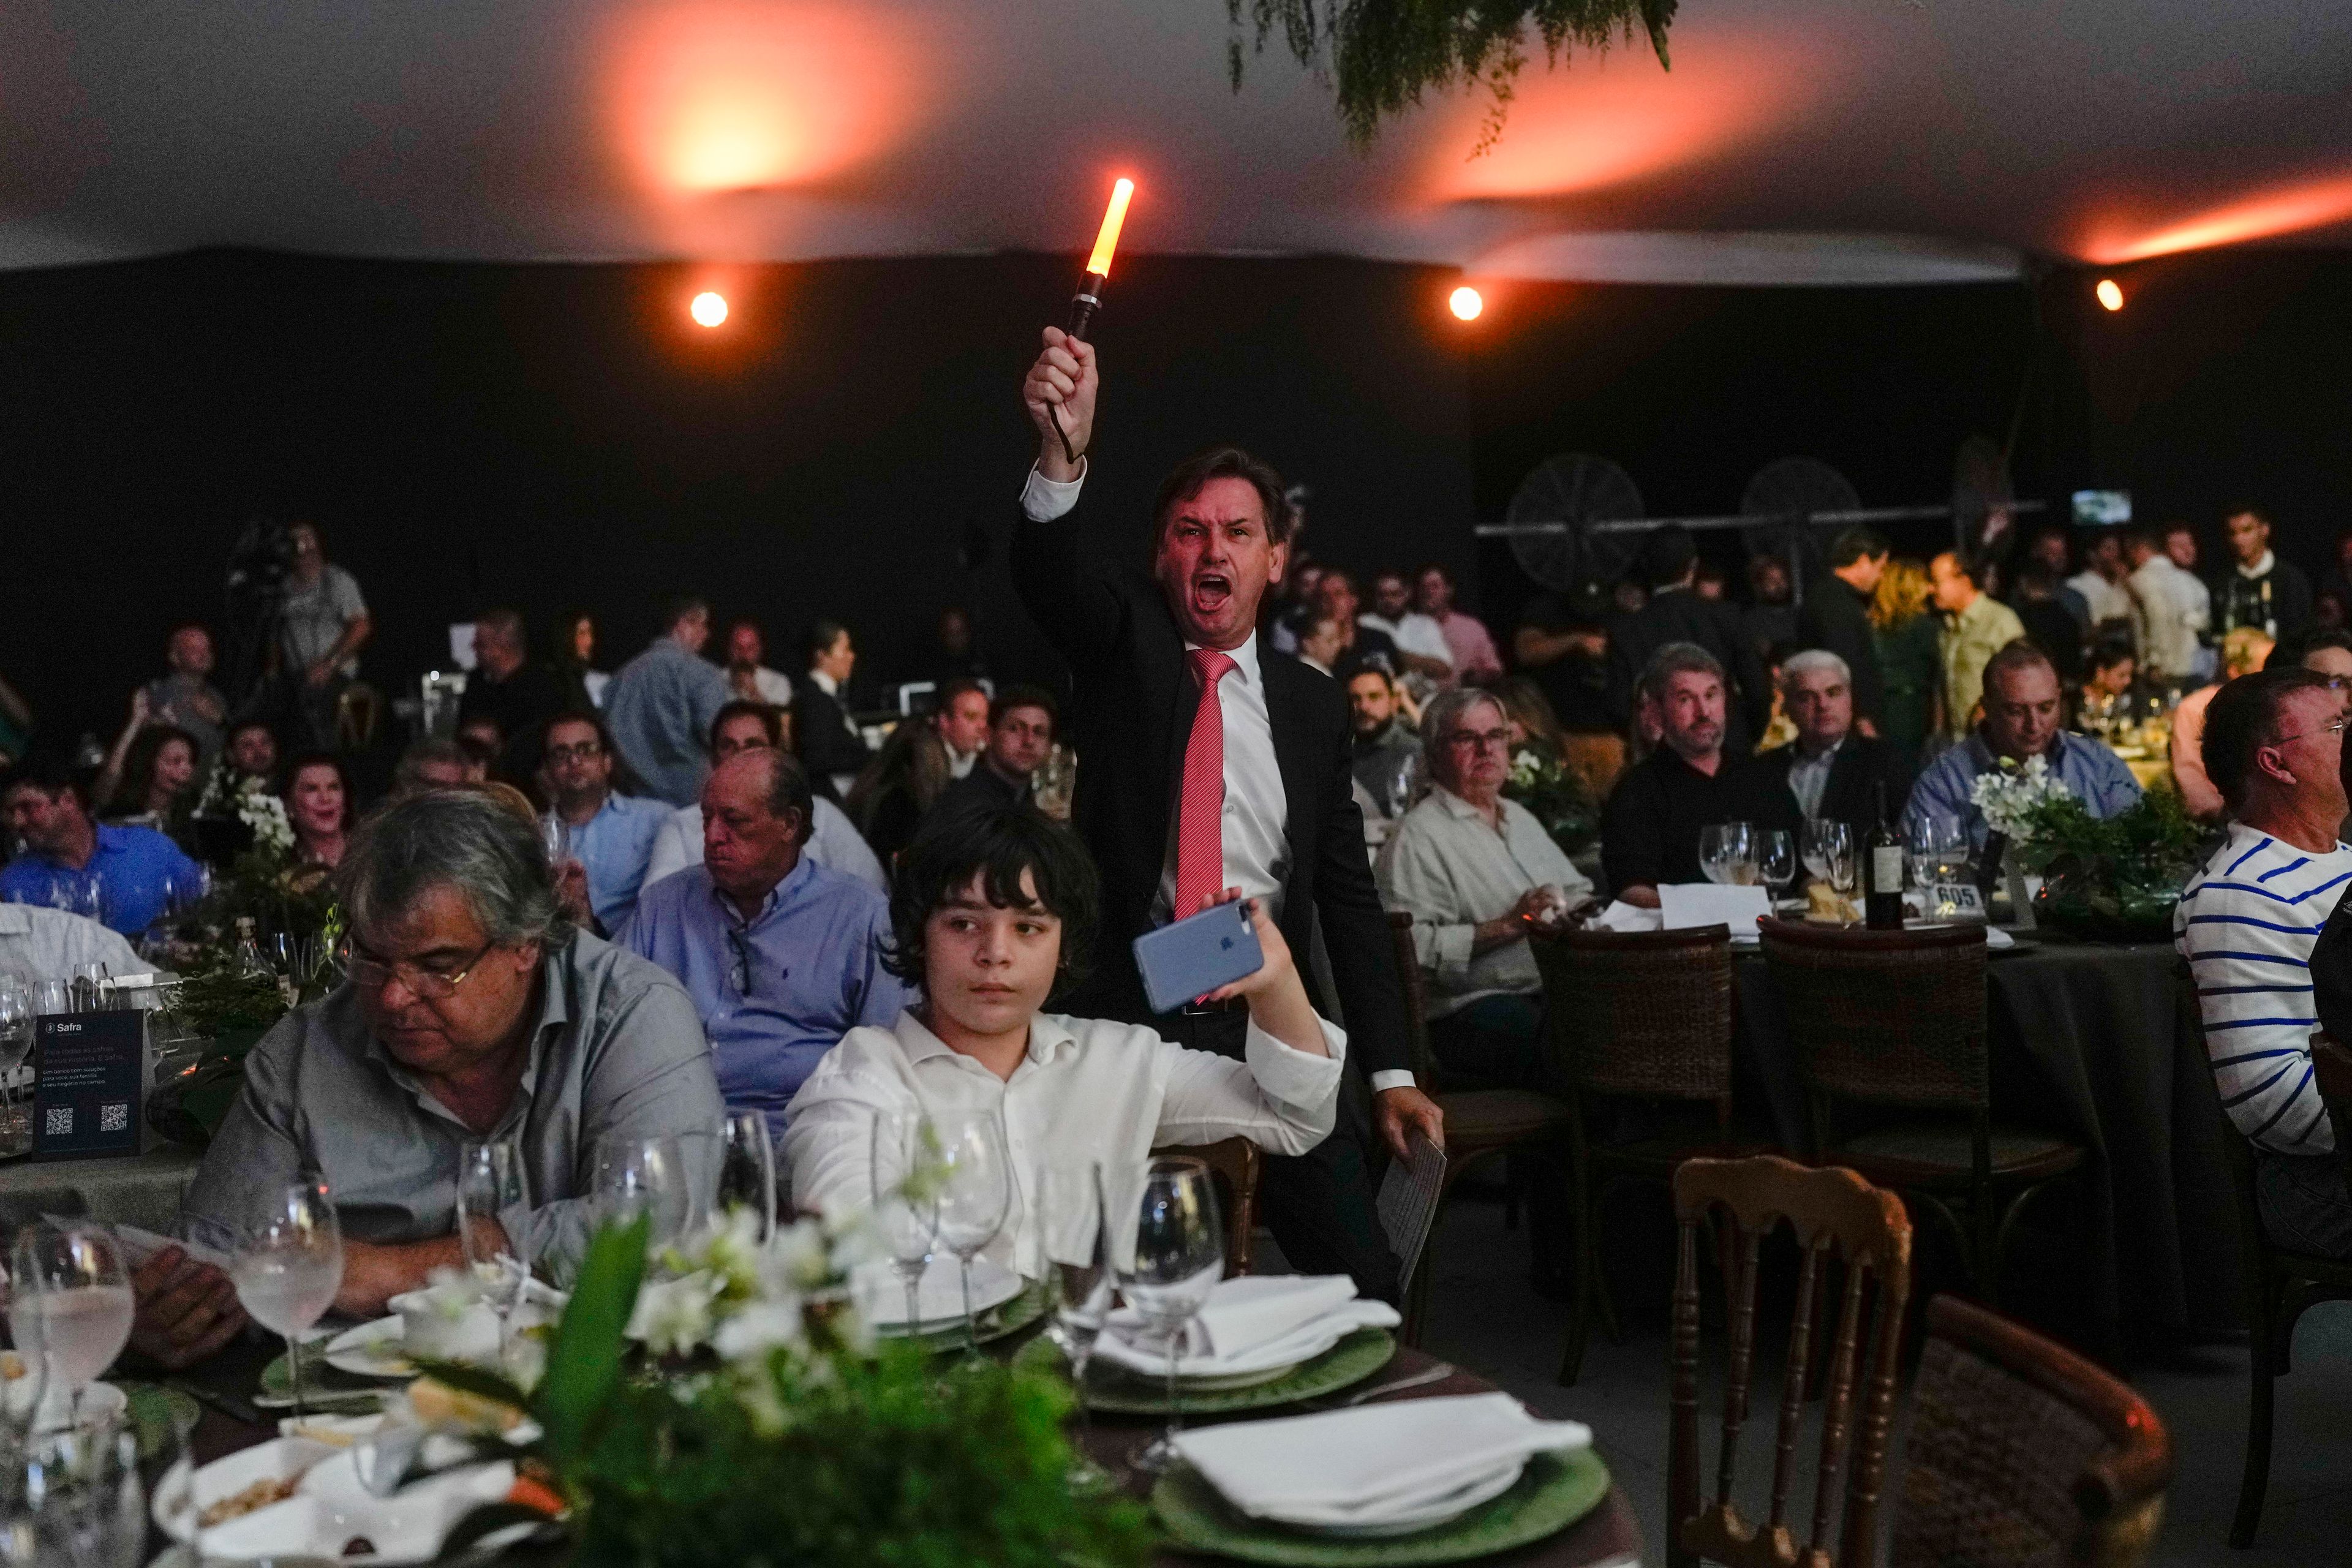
(1687, 904)
(1353, 1459)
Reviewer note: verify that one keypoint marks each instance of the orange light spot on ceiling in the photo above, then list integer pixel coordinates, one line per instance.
(2110, 293)
(1605, 120)
(2289, 210)
(718, 97)
(710, 307)
(1465, 302)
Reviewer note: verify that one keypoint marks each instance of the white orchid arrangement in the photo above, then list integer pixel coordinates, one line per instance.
(266, 814)
(2012, 798)
(720, 1289)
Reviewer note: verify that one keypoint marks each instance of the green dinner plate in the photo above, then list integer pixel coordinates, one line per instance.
(155, 1411)
(994, 1323)
(1554, 1492)
(1124, 1393)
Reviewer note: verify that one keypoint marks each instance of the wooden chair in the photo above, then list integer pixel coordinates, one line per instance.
(1640, 1016)
(1897, 1018)
(1837, 1217)
(2020, 1451)
(2281, 1286)
(1480, 1124)
(1234, 1165)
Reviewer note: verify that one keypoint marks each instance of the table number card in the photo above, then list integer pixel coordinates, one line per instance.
(87, 1096)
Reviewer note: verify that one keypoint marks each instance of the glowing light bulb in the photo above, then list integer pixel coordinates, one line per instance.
(2111, 294)
(708, 309)
(1465, 302)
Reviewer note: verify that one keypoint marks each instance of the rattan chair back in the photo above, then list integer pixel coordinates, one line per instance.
(1640, 1013)
(1838, 1218)
(2020, 1452)
(1233, 1164)
(1887, 1017)
(1416, 1002)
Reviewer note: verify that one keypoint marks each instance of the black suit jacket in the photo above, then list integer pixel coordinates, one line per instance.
(821, 735)
(1852, 794)
(1837, 617)
(1679, 614)
(1129, 718)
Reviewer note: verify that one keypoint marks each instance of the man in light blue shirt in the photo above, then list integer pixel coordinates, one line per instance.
(127, 878)
(662, 703)
(781, 955)
(610, 834)
(2020, 721)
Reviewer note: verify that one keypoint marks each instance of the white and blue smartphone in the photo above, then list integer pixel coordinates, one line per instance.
(1187, 959)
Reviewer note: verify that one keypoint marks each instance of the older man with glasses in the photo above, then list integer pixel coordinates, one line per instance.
(474, 1011)
(1478, 874)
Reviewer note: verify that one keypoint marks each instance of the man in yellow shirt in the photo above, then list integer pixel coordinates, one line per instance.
(1976, 627)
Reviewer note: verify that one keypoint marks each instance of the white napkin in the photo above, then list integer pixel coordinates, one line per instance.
(1622, 916)
(1374, 1459)
(1249, 1324)
(1996, 938)
(1683, 905)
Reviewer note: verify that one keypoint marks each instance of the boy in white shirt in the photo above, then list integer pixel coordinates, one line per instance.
(989, 911)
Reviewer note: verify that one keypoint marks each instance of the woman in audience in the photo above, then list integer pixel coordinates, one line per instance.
(1910, 665)
(317, 793)
(156, 781)
(899, 788)
(991, 912)
(2113, 680)
(575, 654)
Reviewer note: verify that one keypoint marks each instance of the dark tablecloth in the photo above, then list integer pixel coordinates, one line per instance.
(2083, 1044)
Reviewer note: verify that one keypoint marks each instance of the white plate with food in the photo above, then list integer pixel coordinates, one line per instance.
(292, 1497)
(378, 1349)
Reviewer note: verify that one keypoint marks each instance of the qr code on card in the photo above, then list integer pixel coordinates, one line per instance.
(57, 1122)
(114, 1118)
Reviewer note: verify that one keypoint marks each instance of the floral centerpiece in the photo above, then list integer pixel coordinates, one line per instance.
(723, 1404)
(1556, 796)
(2116, 877)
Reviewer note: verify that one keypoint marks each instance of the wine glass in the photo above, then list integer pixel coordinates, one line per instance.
(903, 1158)
(1777, 861)
(23, 1375)
(1739, 865)
(15, 1044)
(1073, 1262)
(746, 1168)
(647, 1176)
(492, 1181)
(1715, 852)
(72, 1287)
(1813, 839)
(52, 995)
(1842, 870)
(90, 896)
(555, 838)
(287, 1267)
(1178, 1257)
(93, 987)
(1404, 784)
(975, 1195)
(75, 1498)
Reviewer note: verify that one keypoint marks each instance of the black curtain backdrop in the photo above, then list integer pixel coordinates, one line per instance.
(851, 444)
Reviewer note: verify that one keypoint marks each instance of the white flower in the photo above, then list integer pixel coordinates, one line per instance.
(266, 814)
(673, 1317)
(2008, 797)
(755, 1331)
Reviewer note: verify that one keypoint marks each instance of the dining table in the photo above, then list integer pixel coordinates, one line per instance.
(1608, 1537)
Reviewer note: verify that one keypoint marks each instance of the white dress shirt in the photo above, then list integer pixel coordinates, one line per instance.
(1088, 1091)
(1257, 855)
(774, 687)
(2171, 608)
(38, 943)
(2106, 601)
(1450, 869)
(1414, 633)
(833, 842)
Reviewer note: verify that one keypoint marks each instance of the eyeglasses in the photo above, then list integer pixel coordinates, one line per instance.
(2335, 729)
(1478, 740)
(374, 974)
(586, 751)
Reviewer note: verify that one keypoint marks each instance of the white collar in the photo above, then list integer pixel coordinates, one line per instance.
(824, 683)
(2259, 569)
(1244, 657)
(1317, 665)
(1049, 1036)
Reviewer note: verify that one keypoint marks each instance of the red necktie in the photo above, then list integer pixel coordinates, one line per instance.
(1200, 808)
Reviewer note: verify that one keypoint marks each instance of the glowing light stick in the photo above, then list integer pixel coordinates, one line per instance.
(1089, 299)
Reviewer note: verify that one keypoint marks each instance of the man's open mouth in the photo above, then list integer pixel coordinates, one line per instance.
(1211, 591)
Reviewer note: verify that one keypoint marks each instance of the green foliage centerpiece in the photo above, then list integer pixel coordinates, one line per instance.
(2116, 878)
(1556, 796)
(730, 1409)
(1382, 55)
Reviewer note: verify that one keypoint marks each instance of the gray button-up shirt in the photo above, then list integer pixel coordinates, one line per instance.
(616, 1055)
(660, 707)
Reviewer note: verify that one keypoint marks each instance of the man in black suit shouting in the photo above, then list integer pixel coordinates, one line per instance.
(1209, 763)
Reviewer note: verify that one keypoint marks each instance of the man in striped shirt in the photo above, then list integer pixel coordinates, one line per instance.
(2247, 922)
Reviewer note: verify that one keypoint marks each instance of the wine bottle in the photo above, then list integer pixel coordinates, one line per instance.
(1881, 903)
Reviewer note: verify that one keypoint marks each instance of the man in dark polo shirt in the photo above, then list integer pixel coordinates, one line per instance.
(1649, 830)
(1020, 737)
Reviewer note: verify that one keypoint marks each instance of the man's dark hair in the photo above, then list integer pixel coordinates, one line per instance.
(954, 689)
(771, 718)
(408, 773)
(2016, 654)
(1013, 697)
(822, 636)
(623, 779)
(1440, 567)
(2301, 646)
(178, 626)
(677, 608)
(2257, 513)
(506, 624)
(2111, 650)
(228, 736)
(1858, 543)
(1190, 476)
(997, 844)
(1342, 574)
(50, 772)
(1667, 553)
(2243, 719)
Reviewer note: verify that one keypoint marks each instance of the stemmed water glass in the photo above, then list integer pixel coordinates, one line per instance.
(975, 1195)
(1777, 861)
(93, 987)
(72, 1292)
(1073, 1263)
(1812, 846)
(493, 1182)
(647, 1176)
(287, 1267)
(1178, 1257)
(15, 1044)
(903, 1159)
(1726, 853)
(25, 1383)
(746, 1168)
(1843, 867)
